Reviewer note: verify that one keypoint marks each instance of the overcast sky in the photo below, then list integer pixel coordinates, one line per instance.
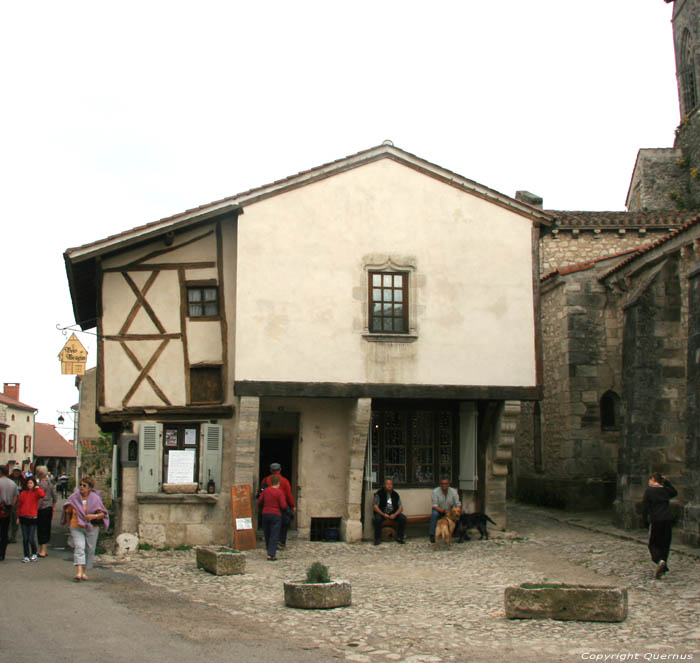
(117, 114)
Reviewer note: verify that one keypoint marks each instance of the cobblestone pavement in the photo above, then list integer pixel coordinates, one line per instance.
(413, 604)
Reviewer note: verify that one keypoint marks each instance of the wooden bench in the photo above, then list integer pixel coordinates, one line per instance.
(389, 527)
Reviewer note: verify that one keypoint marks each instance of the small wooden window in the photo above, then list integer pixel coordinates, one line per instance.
(206, 384)
(202, 301)
(388, 302)
(12, 443)
(27, 443)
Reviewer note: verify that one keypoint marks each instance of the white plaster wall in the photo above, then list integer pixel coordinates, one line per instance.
(300, 281)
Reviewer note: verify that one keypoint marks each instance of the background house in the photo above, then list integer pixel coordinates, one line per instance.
(16, 428)
(53, 450)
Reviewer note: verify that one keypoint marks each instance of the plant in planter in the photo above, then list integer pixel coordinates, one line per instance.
(318, 591)
(220, 560)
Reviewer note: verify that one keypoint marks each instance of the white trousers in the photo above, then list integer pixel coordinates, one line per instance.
(84, 544)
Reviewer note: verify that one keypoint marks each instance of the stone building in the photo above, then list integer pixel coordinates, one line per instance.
(352, 322)
(16, 428)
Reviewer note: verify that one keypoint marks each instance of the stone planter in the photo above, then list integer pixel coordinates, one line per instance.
(179, 488)
(317, 595)
(220, 561)
(587, 603)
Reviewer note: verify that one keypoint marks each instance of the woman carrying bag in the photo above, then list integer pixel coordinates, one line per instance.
(84, 512)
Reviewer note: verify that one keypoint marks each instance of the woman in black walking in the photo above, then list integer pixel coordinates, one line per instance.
(658, 517)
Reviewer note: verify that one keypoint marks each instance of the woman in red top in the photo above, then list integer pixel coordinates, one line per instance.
(273, 505)
(27, 511)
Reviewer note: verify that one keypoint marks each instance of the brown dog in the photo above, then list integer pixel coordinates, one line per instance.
(446, 525)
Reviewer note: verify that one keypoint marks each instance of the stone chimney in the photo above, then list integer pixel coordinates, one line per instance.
(529, 198)
(11, 389)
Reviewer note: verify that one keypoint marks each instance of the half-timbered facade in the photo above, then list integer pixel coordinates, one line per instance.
(372, 317)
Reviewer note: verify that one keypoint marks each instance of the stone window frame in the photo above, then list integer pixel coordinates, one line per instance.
(610, 402)
(391, 264)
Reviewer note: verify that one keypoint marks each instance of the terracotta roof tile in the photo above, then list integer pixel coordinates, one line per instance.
(652, 245)
(662, 219)
(6, 400)
(584, 265)
(49, 443)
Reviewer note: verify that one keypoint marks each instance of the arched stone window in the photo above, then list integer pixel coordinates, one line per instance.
(686, 69)
(610, 411)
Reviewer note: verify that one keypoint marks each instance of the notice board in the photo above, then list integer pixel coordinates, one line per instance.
(242, 513)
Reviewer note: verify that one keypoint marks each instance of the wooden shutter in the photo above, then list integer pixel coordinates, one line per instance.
(149, 457)
(467, 446)
(213, 443)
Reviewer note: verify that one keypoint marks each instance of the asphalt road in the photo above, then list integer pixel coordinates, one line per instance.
(46, 616)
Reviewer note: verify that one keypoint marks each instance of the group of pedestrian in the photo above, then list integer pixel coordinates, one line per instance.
(278, 509)
(29, 501)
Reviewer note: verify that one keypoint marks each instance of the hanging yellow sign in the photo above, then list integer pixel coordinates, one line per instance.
(73, 357)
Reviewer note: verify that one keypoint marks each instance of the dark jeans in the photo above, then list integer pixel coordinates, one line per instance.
(13, 524)
(286, 522)
(4, 527)
(377, 521)
(28, 535)
(272, 524)
(660, 540)
(43, 525)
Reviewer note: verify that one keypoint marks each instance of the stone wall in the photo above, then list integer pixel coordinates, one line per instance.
(691, 471)
(581, 362)
(658, 179)
(568, 247)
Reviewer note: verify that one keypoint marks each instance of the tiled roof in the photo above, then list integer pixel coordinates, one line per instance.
(648, 247)
(584, 265)
(6, 400)
(49, 443)
(661, 219)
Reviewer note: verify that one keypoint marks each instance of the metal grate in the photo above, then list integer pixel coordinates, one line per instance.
(320, 529)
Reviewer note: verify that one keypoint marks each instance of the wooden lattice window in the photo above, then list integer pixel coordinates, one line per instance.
(27, 443)
(12, 443)
(388, 302)
(202, 301)
(414, 446)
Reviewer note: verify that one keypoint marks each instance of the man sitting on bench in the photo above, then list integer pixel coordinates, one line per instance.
(387, 505)
(444, 499)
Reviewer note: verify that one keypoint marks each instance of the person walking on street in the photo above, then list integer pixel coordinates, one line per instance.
(273, 504)
(286, 488)
(27, 510)
(47, 507)
(83, 511)
(63, 485)
(657, 515)
(17, 478)
(8, 501)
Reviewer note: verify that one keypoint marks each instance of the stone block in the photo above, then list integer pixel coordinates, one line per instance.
(317, 596)
(220, 561)
(127, 543)
(152, 534)
(154, 513)
(351, 530)
(566, 602)
(198, 535)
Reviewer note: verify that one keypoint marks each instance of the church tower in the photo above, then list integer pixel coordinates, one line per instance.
(668, 178)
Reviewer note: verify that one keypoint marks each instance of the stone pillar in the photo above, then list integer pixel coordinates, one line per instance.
(247, 437)
(351, 525)
(128, 520)
(499, 452)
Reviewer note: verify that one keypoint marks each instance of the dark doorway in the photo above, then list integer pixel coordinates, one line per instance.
(277, 449)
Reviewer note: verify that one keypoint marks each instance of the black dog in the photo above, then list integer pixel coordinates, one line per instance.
(469, 521)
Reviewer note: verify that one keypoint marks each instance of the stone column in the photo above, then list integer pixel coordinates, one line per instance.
(499, 452)
(351, 525)
(128, 520)
(247, 437)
